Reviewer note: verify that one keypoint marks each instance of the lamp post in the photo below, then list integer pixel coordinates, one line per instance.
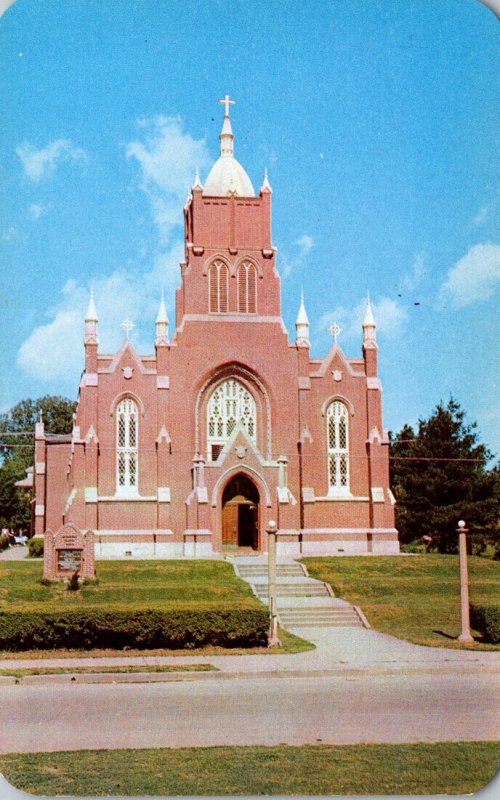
(272, 530)
(465, 635)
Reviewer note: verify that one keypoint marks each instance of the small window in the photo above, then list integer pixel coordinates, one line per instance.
(218, 281)
(247, 288)
(337, 431)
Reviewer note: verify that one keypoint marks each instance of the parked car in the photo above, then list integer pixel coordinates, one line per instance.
(15, 539)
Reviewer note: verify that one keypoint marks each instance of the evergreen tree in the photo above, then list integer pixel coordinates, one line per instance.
(439, 475)
(17, 442)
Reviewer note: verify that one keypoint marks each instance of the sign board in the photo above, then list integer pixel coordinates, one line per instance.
(69, 560)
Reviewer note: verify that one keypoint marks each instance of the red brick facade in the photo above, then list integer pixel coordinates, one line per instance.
(300, 440)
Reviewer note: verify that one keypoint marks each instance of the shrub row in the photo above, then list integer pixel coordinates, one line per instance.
(35, 547)
(143, 629)
(486, 619)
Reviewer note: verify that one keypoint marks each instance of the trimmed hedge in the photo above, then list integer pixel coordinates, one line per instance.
(487, 620)
(35, 547)
(142, 629)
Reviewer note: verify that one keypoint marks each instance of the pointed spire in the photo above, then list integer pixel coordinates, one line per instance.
(369, 326)
(91, 315)
(226, 136)
(302, 324)
(162, 322)
(197, 185)
(91, 321)
(266, 187)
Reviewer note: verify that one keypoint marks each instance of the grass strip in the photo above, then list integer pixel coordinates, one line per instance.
(416, 598)
(440, 768)
(21, 672)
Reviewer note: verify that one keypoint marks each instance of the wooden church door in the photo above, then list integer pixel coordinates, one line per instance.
(240, 514)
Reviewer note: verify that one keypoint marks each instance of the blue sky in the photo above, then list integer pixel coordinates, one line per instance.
(378, 123)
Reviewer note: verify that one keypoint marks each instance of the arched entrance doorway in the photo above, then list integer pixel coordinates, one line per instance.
(240, 514)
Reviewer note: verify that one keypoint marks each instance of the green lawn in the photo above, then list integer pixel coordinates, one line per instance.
(141, 584)
(412, 597)
(441, 768)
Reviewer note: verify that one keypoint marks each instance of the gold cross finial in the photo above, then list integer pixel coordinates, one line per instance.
(226, 103)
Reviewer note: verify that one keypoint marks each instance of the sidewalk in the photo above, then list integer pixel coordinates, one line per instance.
(338, 650)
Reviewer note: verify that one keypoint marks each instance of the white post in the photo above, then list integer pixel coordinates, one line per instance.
(465, 635)
(273, 640)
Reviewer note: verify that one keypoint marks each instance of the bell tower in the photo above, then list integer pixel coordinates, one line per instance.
(229, 267)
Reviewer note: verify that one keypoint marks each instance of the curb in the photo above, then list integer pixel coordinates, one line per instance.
(342, 671)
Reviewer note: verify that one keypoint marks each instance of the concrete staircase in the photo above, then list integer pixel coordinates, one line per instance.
(302, 602)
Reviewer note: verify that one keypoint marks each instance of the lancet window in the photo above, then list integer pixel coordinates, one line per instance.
(247, 288)
(127, 446)
(337, 433)
(230, 404)
(218, 282)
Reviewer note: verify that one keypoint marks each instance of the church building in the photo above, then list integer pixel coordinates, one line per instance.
(191, 450)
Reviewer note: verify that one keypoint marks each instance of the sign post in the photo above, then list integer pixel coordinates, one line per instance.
(273, 640)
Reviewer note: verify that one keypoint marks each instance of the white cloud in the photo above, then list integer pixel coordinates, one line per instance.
(389, 316)
(304, 245)
(35, 211)
(9, 234)
(413, 279)
(474, 277)
(40, 163)
(168, 158)
(481, 216)
(54, 349)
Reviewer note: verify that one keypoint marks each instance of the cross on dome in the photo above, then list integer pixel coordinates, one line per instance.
(334, 330)
(127, 326)
(226, 103)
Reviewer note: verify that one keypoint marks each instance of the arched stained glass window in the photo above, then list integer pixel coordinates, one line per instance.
(230, 403)
(247, 288)
(337, 434)
(218, 282)
(127, 446)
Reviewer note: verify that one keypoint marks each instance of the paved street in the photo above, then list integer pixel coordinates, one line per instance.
(397, 707)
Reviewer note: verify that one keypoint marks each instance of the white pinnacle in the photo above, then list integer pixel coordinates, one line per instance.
(369, 320)
(162, 311)
(302, 318)
(91, 315)
(197, 183)
(266, 187)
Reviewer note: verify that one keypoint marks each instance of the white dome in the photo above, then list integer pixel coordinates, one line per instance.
(227, 176)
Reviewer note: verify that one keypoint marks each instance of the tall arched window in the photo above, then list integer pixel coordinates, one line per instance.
(230, 403)
(247, 288)
(127, 446)
(218, 282)
(337, 433)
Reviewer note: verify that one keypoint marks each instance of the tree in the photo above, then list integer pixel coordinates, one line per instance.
(439, 475)
(17, 441)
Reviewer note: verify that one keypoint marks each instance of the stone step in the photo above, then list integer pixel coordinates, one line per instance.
(333, 618)
(250, 570)
(294, 590)
(312, 623)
